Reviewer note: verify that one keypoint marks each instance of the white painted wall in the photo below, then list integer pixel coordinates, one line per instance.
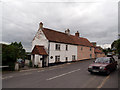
(37, 60)
(72, 50)
(40, 39)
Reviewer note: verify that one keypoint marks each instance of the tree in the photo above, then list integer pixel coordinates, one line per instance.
(19, 49)
(10, 53)
(116, 46)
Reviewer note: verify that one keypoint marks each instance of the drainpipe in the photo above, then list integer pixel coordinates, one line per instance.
(48, 51)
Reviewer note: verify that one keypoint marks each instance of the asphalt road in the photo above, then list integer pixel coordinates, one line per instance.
(71, 75)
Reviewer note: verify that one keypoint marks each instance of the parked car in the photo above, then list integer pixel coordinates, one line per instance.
(118, 56)
(103, 65)
(109, 55)
(21, 62)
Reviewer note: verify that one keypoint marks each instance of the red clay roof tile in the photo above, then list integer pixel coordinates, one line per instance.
(61, 37)
(39, 50)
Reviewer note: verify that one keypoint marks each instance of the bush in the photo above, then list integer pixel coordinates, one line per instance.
(10, 68)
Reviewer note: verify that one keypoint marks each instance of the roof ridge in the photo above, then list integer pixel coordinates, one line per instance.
(55, 31)
(58, 36)
(63, 33)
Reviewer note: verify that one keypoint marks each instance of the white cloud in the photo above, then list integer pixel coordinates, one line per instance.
(96, 21)
(105, 46)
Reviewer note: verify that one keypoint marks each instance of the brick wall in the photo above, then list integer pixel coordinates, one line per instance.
(84, 52)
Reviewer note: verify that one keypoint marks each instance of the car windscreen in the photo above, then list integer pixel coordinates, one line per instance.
(102, 60)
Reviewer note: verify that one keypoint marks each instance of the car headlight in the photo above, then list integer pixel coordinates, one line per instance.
(102, 67)
(90, 66)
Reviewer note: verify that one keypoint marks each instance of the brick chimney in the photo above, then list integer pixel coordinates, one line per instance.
(67, 31)
(41, 25)
(94, 43)
(77, 34)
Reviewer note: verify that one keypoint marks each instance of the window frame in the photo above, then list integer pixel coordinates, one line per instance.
(57, 47)
(57, 58)
(66, 48)
(90, 55)
(81, 48)
(73, 57)
(90, 48)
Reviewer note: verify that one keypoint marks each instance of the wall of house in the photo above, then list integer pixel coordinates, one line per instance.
(40, 39)
(84, 52)
(72, 50)
(37, 60)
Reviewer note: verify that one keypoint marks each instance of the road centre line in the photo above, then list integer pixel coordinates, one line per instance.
(63, 74)
(103, 82)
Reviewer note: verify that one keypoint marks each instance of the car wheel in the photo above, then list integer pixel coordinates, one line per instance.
(108, 72)
(115, 67)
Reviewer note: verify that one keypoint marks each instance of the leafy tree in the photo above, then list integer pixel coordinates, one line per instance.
(116, 46)
(10, 53)
(105, 51)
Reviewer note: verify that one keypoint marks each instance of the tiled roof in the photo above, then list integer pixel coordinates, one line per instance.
(98, 50)
(61, 37)
(39, 50)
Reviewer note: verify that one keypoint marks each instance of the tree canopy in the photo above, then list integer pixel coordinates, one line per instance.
(10, 53)
(116, 46)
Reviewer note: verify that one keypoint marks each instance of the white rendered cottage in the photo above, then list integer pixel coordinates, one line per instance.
(49, 46)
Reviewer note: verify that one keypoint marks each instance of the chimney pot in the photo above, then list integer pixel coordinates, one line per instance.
(77, 34)
(41, 25)
(94, 43)
(67, 31)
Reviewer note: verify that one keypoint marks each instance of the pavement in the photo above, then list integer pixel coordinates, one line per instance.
(69, 75)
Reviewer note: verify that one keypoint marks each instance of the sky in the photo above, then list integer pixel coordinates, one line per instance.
(96, 20)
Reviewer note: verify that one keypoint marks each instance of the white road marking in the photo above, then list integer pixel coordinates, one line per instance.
(103, 82)
(41, 70)
(62, 74)
(88, 82)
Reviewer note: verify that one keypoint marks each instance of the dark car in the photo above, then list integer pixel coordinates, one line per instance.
(118, 56)
(103, 65)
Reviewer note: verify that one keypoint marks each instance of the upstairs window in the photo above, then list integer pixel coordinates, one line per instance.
(90, 55)
(66, 47)
(57, 47)
(81, 48)
(90, 48)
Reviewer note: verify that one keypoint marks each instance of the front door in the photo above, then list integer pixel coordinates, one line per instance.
(44, 61)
